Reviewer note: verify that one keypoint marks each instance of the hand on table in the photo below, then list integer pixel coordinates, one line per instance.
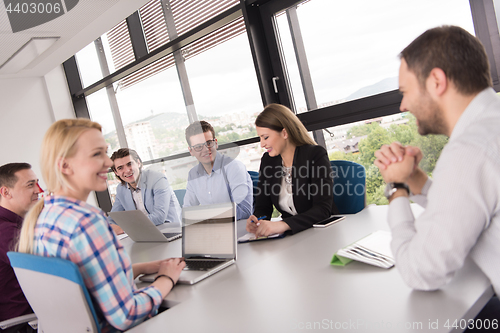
(265, 227)
(172, 267)
(152, 267)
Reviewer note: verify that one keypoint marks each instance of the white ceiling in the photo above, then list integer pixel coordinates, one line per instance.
(77, 28)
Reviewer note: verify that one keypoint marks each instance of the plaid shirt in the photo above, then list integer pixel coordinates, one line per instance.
(71, 229)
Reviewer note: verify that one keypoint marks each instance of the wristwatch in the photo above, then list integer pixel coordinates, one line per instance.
(393, 187)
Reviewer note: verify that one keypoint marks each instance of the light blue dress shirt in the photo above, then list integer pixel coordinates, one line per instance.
(158, 197)
(228, 182)
(462, 205)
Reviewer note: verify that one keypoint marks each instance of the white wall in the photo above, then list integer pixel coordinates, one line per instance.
(58, 94)
(28, 106)
(25, 115)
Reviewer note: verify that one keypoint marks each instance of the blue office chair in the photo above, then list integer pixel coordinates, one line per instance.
(255, 179)
(349, 186)
(55, 290)
(254, 175)
(180, 194)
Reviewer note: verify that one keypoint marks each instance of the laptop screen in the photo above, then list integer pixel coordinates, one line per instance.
(209, 231)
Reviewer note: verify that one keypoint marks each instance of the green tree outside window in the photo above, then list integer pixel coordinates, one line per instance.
(376, 136)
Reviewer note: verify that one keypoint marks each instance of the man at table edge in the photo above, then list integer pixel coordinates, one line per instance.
(18, 193)
(445, 81)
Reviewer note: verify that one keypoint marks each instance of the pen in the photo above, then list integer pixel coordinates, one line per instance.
(260, 218)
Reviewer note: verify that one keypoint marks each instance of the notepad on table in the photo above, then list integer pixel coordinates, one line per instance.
(250, 237)
(374, 249)
(121, 236)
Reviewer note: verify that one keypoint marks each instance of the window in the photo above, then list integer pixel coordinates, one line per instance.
(223, 83)
(337, 61)
(113, 49)
(351, 48)
(100, 111)
(212, 78)
(358, 142)
(154, 115)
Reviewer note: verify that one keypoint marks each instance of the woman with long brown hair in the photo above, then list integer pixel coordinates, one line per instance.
(295, 175)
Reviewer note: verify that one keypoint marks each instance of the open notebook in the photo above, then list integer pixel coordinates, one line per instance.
(374, 249)
(250, 237)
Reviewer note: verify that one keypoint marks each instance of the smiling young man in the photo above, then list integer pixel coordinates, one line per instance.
(445, 82)
(18, 192)
(144, 190)
(217, 178)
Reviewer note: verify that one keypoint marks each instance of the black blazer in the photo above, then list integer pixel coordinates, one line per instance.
(312, 187)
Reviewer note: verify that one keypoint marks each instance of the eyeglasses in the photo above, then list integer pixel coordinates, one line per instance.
(209, 144)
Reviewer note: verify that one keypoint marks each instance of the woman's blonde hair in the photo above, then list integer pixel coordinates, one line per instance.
(278, 117)
(58, 143)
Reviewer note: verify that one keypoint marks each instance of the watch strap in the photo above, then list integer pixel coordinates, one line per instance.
(392, 187)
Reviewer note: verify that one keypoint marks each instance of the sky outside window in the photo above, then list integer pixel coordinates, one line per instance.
(352, 48)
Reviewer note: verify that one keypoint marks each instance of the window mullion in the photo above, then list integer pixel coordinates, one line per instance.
(486, 27)
(303, 65)
(120, 132)
(179, 63)
(75, 84)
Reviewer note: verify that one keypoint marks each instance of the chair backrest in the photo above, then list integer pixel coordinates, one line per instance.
(55, 290)
(180, 195)
(254, 175)
(349, 186)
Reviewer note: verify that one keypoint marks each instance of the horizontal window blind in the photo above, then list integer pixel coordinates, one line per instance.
(229, 31)
(153, 23)
(187, 15)
(190, 14)
(120, 45)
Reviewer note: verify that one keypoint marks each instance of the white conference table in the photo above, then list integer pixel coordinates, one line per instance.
(288, 285)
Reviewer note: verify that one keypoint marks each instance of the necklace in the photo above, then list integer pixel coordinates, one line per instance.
(287, 174)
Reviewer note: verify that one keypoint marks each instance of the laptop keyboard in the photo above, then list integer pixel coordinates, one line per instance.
(201, 265)
(172, 235)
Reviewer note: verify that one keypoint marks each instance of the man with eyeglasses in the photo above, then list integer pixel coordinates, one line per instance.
(217, 178)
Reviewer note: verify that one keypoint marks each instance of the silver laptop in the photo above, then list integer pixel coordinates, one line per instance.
(140, 228)
(208, 241)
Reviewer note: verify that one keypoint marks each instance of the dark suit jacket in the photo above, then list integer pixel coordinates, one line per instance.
(312, 187)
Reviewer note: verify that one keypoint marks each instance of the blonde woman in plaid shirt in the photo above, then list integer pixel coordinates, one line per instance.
(74, 163)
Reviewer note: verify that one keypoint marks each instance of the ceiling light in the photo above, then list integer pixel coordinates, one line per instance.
(26, 54)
